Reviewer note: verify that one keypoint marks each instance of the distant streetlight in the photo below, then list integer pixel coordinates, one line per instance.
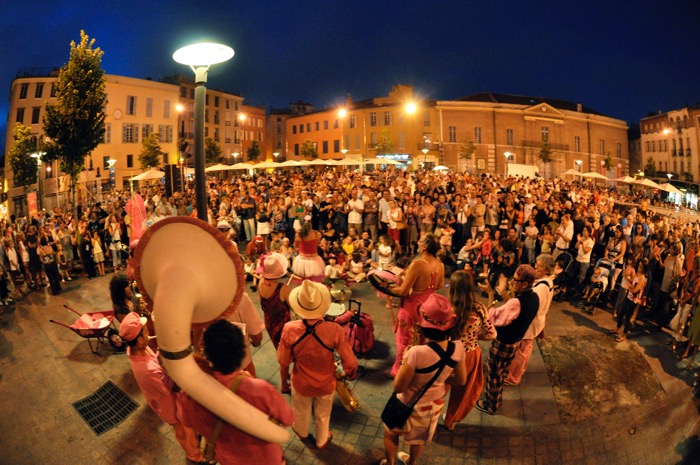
(38, 155)
(276, 154)
(200, 57)
(669, 176)
(112, 180)
(235, 157)
(508, 155)
(425, 157)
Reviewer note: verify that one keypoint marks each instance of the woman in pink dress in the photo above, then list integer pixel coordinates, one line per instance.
(308, 264)
(423, 276)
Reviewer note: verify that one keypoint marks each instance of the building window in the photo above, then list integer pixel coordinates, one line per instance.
(602, 147)
(20, 115)
(301, 129)
(53, 90)
(675, 166)
(130, 133)
(216, 101)
(452, 133)
(577, 143)
(316, 126)
(477, 135)
(24, 88)
(426, 118)
(216, 134)
(296, 150)
(387, 118)
(294, 129)
(372, 118)
(35, 115)
(279, 141)
(325, 124)
(39, 90)
(308, 127)
(509, 137)
(353, 121)
(166, 133)
(373, 137)
(228, 104)
(183, 92)
(216, 117)
(107, 138)
(682, 167)
(336, 146)
(358, 142)
(149, 107)
(166, 109)
(545, 133)
(146, 130)
(325, 146)
(129, 161)
(130, 105)
(105, 162)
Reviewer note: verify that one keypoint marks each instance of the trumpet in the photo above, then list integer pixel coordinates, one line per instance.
(345, 394)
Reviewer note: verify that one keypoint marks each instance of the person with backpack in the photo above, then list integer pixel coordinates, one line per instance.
(309, 343)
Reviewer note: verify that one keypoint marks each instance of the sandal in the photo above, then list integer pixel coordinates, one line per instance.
(621, 338)
(481, 405)
(614, 331)
(328, 441)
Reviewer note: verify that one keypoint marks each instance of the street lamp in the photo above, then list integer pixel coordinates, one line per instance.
(508, 155)
(425, 157)
(669, 176)
(276, 154)
(235, 157)
(38, 155)
(579, 168)
(200, 57)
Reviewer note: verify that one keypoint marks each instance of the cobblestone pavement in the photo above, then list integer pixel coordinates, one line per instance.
(44, 368)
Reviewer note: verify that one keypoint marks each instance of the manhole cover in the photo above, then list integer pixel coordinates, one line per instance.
(105, 408)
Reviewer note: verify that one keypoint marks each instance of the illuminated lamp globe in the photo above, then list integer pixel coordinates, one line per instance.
(203, 54)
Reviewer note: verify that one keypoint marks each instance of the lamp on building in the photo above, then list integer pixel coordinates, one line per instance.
(507, 155)
(670, 175)
(579, 164)
(425, 157)
(200, 57)
(235, 157)
(276, 154)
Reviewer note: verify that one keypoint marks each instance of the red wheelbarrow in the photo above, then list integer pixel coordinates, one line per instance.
(91, 325)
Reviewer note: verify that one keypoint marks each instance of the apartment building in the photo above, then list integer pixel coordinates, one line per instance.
(672, 140)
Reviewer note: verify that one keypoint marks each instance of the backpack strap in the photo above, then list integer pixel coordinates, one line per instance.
(543, 282)
(209, 452)
(445, 357)
(311, 331)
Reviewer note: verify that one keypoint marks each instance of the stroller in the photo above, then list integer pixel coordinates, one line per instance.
(562, 270)
(596, 287)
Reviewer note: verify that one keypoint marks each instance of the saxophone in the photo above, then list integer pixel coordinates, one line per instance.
(345, 394)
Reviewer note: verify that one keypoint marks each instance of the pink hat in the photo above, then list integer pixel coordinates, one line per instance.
(437, 313)
(273, 266)
(258, 239)
(131, 326)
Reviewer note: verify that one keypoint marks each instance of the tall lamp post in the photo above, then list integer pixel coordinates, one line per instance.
(200, 57)
(425, 157)
(579, 164)
(507, 155)
(112, 177)
(38, 155)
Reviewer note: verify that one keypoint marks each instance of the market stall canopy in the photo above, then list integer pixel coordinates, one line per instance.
(266, 164)
(241, 166)
(668, 187)
(150, 174)
(594, 175)
(625, 179)
(289, 163)
(219, 167)
(647, 183)
(440, 168)
(571, 173)
(380, 161)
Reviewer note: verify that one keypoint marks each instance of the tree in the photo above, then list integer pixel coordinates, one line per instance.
(254, 151)
(212, 151)
(23, 165)
(151, 153)
(384, 144)
(608, 162)
(466, 149)
(545, 154)
(308, 150)
(76, 124)
(650, 167)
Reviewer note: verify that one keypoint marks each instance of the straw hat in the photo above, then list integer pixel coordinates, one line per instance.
(274, 266)
(436, 312)
(310, 300)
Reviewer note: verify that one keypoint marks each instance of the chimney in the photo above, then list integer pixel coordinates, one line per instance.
(579, 108)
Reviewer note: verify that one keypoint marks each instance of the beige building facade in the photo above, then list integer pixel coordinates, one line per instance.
(671, 141)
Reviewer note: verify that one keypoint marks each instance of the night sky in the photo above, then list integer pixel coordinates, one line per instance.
(621, 58)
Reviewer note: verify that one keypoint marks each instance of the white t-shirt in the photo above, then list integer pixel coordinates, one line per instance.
(356, 207)
(585, 257)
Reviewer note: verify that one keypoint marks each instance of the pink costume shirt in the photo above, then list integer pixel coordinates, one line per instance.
(155, 384)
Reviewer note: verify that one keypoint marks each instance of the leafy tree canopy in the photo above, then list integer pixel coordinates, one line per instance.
(608, 162)
(545, 152)
(75, 124)
(212, 151)
(308, 150)
(151, 153)
(650, 167)
(254, 151)
(23, 165)
(384, 144)
(467, 149)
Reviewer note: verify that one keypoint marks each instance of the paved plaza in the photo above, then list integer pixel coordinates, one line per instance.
(44, 368)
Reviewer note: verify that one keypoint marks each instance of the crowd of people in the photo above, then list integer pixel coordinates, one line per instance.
(518, 242)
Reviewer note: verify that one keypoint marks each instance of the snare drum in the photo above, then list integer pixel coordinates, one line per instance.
(334, 311)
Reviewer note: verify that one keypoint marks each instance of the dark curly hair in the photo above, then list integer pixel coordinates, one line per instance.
(431, 243)
(224, 346)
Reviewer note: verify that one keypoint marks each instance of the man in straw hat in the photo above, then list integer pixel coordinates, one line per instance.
(310, 343)
(512, 319)
(154, 382)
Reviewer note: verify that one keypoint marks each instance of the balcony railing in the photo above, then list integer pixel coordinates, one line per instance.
(430, 146)
(552, 146)
(688, 153)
